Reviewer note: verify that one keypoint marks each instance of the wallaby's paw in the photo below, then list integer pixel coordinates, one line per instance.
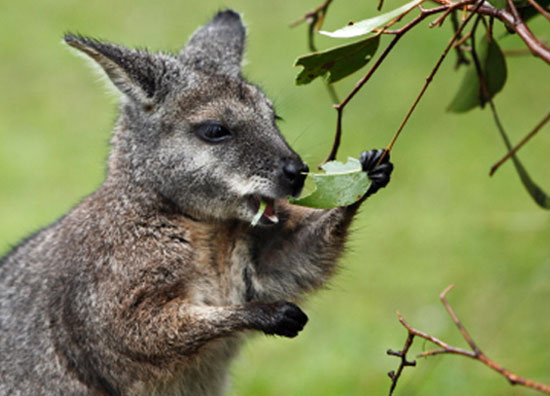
(379, 175)
(282, 318)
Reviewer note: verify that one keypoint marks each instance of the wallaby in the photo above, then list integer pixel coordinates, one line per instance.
(148, 286)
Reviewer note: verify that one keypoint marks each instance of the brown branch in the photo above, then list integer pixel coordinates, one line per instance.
(340, 107)
(394, 376)
(539, 8)
(520, 144)
(475, 354)
(469, 340)
(313, 25)
(461, 58)
(315, 13)
(424, 13)
(429, 79)
(398, 34)
(513, 20)
(440, 19)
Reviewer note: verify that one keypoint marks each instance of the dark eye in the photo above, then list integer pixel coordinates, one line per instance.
(213, 132)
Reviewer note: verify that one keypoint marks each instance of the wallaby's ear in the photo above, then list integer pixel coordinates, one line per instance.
(217, 46)
(136, 73)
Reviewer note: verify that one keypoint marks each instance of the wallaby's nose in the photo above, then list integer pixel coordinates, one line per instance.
(294, 174)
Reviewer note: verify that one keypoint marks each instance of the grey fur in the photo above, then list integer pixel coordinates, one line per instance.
(148, 286)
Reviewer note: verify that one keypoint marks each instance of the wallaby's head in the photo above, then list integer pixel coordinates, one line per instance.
(192, 130)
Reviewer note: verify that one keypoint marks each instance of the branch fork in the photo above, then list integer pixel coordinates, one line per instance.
(446, 349)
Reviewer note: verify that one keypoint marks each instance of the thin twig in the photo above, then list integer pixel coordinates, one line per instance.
(459, 325)
(461, 58)
(340, 107)
(404, 362)
(511, 18)
(321, 9)
(476, 354)
(424, 13)
(440, 19)
(429, 80)
(539, 8)
(517, 52)
(458, 43)
(520, 144)
(398, 34)
(313, 23)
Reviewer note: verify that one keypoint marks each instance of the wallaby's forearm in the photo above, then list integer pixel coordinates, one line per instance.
(176, 330)
(302, 253)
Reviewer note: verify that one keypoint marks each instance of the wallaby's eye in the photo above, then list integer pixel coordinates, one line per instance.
(213, 132)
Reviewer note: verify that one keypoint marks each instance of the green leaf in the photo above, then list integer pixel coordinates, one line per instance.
(368, 25)
(493, 68)
(537, 193)
(338, 62)
(340, 185)
(259, 213)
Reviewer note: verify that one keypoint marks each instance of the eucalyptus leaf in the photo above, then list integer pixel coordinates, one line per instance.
(259, 213)
(493, 68)
(340, 185)
(338, 62)
(368, 25)
(537, 193)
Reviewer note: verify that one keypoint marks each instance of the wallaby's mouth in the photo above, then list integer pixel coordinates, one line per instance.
(266, 206)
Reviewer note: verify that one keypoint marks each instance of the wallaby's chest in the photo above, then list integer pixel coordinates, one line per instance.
(214, 260)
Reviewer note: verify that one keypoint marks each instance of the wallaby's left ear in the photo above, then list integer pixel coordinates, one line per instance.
(136, 73)
(218, 46)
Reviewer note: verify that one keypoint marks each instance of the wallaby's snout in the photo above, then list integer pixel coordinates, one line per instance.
(294, 173)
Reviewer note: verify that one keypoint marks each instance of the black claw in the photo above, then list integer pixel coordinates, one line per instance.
(281, 318)
(379, 175)
(369, 159)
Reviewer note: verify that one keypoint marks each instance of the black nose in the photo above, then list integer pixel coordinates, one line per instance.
(294, 174)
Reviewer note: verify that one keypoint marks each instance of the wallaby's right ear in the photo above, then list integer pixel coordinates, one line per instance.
(136, 73)
(217, 46)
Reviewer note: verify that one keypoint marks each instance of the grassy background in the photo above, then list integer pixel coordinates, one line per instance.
(441, 221)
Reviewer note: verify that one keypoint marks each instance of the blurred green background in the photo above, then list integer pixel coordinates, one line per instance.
(441, 221)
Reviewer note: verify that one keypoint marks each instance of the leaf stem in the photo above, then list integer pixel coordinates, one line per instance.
(520, 144)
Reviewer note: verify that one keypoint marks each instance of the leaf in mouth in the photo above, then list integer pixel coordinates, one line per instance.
(259, 213)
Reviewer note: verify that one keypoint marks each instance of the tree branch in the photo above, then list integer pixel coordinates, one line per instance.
(447, 349)
(317, 13)
(520, 144)
(394, 376)
(429, 79)
(518, 25)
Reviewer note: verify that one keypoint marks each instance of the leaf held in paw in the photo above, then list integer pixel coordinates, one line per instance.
(342, 184)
